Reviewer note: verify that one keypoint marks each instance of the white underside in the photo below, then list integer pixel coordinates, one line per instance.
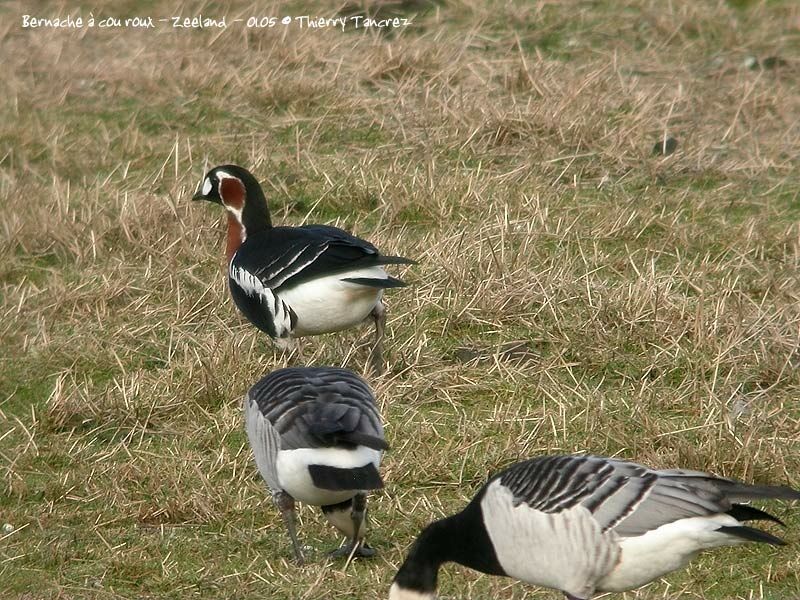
(292, 468)
(568, 551)
(329, 304)
(666, 549)
(398, 593)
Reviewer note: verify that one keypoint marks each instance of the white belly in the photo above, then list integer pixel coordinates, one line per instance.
(294, 478)
(329, 304)
(660, 551)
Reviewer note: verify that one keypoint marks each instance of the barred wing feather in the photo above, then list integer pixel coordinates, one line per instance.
(624, 496)
(319, 407)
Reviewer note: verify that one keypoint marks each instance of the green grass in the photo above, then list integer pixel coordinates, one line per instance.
(508, 147)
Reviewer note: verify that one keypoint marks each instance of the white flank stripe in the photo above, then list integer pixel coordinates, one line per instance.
(250, 283)
(252, 286)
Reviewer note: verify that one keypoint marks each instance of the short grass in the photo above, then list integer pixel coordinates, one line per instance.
(575, 292)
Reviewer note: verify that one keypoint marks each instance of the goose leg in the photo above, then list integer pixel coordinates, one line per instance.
(358, 514)
(298, 351)
(285, 504)
(378, 315)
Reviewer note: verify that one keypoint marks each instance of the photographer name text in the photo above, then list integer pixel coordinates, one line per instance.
(205, 22)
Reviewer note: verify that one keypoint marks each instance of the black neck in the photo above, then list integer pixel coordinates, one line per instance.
(255, 215)
(461, 538)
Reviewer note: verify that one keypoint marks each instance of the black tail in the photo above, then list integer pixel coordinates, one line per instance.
(377, 282)
(745, 512)
(752, 535)
(335, 478)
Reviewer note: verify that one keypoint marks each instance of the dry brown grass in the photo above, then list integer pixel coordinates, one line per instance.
(574, 292)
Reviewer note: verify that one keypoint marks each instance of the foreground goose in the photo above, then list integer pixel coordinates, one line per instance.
(586, 524)
(317, 437)
(297, 281)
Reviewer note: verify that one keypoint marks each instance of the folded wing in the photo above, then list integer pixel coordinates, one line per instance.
(288, 256)
(629, 498)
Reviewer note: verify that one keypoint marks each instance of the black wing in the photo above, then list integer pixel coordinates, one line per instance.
(284, 257)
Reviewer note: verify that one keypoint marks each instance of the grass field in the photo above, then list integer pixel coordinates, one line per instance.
(575, 292)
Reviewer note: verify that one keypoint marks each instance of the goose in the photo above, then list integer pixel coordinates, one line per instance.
(297, 281)
(317, 437)
(585, 524)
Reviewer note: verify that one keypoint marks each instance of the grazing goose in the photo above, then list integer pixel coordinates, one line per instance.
(586, 524)
(297, 281)
(317, 437)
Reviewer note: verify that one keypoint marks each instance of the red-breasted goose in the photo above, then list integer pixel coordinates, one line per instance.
(297, 281)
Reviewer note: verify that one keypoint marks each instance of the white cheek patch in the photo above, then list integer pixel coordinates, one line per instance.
(207, 186)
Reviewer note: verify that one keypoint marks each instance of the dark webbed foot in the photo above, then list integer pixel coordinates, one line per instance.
(363, 550)
(349, 517)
